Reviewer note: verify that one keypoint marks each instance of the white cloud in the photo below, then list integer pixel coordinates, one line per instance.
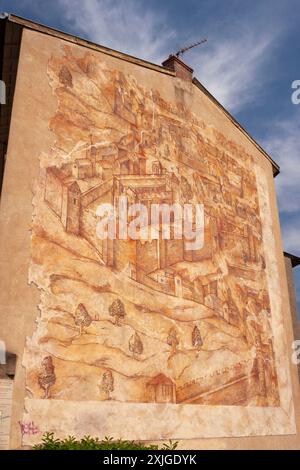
(291, 238)
(233, 66)
(128, 26)
(283, 143)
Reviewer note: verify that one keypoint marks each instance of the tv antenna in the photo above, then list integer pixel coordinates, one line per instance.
(191, 46)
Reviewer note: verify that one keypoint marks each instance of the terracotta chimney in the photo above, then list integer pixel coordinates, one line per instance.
(180, 68)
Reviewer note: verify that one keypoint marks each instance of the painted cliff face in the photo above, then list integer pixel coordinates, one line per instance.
(132, 321)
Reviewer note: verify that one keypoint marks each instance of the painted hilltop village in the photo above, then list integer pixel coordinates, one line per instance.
(145, 320)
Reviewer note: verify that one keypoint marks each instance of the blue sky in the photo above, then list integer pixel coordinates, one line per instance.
(249, 63)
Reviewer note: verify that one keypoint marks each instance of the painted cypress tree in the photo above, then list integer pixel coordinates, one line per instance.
(82, 318)
(107, 384)
(47, 377)
(135, 345)
(117, 310)
(196, 338)
(173, 340)
(186, 190)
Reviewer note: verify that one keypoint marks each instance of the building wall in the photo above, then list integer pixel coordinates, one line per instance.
(293, 301)
(72, 269)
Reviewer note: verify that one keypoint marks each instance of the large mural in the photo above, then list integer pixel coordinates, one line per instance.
(145, 321)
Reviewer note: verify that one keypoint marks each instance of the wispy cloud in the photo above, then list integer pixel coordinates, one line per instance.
(233, 64)
(291, 239)
(234, 70)
(236, 61)
(283, 143)
(130, 26)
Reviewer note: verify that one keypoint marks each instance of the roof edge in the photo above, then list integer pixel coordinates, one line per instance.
(29, 24)
(275, 166)
(295, 260)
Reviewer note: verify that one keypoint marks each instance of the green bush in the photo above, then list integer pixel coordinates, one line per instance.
(90, 443)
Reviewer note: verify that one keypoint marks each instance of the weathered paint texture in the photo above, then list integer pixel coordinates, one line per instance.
(139, 340)
(129, 321)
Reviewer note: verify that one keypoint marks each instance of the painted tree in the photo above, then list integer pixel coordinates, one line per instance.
(196, 338)
(65, 76)
(82, 318)
(107, 384)
(135, 345)
(173, 340)
(47, 377)
(186, 190)
(117, 310)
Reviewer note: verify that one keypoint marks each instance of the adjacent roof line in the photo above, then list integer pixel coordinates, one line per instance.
(295, 260)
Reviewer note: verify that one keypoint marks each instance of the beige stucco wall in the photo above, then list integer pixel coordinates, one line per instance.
(30, 137)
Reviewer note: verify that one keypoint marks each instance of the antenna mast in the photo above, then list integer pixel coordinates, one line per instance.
(191, 46)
